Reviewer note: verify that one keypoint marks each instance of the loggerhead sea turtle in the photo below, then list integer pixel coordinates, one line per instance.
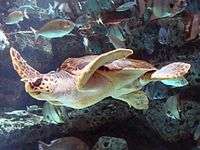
(82, 82)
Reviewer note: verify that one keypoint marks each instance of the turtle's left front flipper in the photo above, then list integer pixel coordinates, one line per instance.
(136, 99)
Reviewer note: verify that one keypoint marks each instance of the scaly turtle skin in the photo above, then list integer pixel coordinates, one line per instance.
(82, 82)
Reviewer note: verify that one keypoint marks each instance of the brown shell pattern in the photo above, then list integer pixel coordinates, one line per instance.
(75, 65)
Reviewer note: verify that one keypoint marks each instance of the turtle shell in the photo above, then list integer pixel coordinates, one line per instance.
(75, 65)
(113, 64)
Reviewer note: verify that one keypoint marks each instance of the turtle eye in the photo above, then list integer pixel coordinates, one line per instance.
(37, 82)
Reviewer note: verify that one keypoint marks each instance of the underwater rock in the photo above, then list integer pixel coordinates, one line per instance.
(156, 91)
(68, 46)
(25, 124)
(65, 143)
(110, 143)
(173, 128)
(147, 37)
(10, 96)
(28, 127)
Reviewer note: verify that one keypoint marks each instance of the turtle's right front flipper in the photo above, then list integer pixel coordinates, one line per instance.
(24, 70)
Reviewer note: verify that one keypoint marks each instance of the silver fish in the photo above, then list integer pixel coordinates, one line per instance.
(55, 28)
(164, 35)
(66, 143)
(82, 20)
(117, 43)
(171, 108)
(127, 6)
(15, 17)
(3, 41)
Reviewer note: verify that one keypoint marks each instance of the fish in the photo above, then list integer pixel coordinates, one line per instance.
(82, 20)
(126, 6)
(62, 6)
(161, 8)
(52, 114)
(193, 6)
(15, 17)
(27, 7)
(3, 41)
(164, 35)
(54, 29)
(114, 17)
(194, 28)
(66, 143)
(166, 8)
(171, 107)
(117, 31)
(85, 42)
(17, 112)
(196, 135)
(117, 43)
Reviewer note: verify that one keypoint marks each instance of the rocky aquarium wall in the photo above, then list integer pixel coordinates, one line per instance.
(131, 41)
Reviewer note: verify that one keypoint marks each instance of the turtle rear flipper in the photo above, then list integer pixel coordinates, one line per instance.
(99, 61)
(136, 99)
(24, 70)
(177, 82)
(171, 71)
(172, 74)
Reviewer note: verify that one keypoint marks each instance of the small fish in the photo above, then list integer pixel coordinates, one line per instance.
(117, 31)
(171, 108)
(127, 6)
(166, 8)
(117, 43)
(52, 114)
(162, 8)
(114, 17)
(196, 135)
(85, 42)
(50, 10)
(27, 7)
(3, 41)
(54, 29)
(15, 17)
(164, 35)
(193, 6)
(66, 143)
(62, 5)
(82, 20)
(32, 108)
(17, 113)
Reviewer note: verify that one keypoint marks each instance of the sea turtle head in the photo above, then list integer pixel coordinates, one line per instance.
(39, 86)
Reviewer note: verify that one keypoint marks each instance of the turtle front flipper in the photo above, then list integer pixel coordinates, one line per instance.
(24, 70)
(99, 61)
(136, 99)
